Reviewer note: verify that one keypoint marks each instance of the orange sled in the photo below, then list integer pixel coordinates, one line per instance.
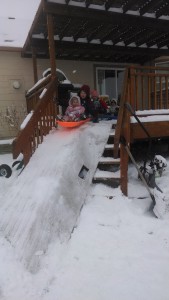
(72, 124)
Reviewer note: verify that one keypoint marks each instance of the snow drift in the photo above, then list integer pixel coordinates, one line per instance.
(45, 206)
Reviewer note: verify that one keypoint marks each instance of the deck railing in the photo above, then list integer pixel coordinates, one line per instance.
(144, 88)
(149, 88)
(41, 122)
(32, 96)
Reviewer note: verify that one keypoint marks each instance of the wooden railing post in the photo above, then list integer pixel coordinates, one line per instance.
(124, 158)
(124, 170)
(132, 86)
(120, 115)
(35, 73)
(52, 54)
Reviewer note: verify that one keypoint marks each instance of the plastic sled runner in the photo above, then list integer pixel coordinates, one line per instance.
(72, 124)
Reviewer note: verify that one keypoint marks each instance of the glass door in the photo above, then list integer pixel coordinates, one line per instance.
(109, 81)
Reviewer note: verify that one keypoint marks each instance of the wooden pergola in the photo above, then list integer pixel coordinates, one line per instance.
(119, 31)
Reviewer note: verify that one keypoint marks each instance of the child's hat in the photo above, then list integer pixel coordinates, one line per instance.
(94, 93)
(113, 100)
(85, 88)
(74, 96)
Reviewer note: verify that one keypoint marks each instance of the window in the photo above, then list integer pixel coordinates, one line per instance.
(109, 81)
(164, 64)
(162, 80)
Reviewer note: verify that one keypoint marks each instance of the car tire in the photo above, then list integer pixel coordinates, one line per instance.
(5, 171)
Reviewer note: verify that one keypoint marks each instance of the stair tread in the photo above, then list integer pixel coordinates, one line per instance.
(109, 160)
(112, 132)
(106, 174)
(109, 146)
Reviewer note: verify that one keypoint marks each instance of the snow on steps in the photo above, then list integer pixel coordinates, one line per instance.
(109, 147)
(109, 160)
(112, 132)
(106, 174)
(108, 168)
(111, 179)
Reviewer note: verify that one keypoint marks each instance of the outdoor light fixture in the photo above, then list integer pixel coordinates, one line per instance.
(16, 84)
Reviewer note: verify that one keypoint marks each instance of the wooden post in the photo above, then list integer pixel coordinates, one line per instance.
(166, 91)
(132, 87)
(52, 55)
(124, 170)
(149, 89)
(35, 73)
(124, 158)
(51, 44)
(142, 93)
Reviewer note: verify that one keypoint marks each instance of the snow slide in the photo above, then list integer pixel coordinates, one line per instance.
(39, 209)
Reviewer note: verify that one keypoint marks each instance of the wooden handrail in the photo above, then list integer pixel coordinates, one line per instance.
(32, 96)
(41, 122)
(153, 68)
(120, 114)
(38, 86)
(144, 88)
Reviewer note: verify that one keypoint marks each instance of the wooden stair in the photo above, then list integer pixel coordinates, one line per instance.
(108, 168)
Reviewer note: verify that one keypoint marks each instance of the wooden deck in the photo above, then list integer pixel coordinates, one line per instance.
(156, 123)
(146, 90)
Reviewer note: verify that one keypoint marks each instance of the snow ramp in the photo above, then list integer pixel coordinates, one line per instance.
(42, 205)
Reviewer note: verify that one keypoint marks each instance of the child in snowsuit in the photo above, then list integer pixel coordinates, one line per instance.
(75, 110)
(100, 107)
(114, 108)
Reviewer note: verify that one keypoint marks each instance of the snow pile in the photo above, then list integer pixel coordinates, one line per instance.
(48, 203)
(50, 248)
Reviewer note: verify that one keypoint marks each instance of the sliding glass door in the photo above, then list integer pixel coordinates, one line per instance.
(109, 81)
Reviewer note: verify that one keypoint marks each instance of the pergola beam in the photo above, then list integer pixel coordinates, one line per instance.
(102, 16)
(107, 28)
(128, 5)
(65, 46)
(148, 6)
(162, 10)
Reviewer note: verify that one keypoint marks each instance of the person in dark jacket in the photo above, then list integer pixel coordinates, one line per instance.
(84, 94)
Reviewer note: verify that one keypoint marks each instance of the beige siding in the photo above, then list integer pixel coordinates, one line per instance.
(15, 68)
(76, 71)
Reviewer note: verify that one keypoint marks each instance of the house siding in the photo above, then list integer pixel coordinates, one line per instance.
(13, 67)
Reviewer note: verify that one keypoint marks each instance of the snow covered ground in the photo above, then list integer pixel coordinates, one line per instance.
(63, 238)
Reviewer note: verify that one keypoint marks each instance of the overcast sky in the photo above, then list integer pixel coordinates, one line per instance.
(13, 32)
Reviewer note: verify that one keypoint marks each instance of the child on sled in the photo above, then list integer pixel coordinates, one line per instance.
(74, 112)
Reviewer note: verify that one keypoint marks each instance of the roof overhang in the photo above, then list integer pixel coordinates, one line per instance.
(109, 31)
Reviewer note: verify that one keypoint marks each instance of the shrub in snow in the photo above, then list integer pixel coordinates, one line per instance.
(13, 116)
